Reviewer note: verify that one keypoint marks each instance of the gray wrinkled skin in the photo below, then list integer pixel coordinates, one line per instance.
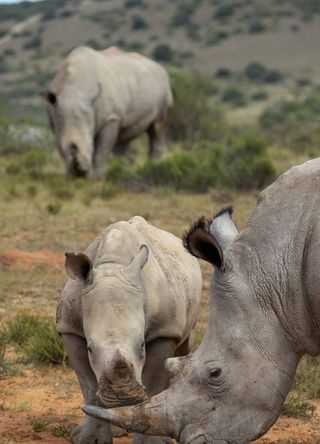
(265, 314)
(99, 101)
(131, 302)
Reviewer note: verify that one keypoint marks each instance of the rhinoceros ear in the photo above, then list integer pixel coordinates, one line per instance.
(49, 96)
(208, 239)
(138, 262)
(79, 267)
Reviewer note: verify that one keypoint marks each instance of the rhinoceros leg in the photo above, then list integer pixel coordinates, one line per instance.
(90, 431)
(156, 378)
(156, 133)
(104, 143)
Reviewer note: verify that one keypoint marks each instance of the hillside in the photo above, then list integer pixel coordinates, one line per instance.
(208, 35)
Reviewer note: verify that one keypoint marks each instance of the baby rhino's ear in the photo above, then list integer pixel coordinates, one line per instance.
(79, 267)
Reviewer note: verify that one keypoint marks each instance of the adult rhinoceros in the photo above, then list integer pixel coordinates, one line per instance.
(130, 303)
(102, 99)
(265, 315)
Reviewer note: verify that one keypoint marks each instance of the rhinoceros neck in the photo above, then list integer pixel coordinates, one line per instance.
(276, 254)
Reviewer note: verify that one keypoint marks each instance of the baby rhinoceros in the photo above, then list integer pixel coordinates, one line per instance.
(131, 302)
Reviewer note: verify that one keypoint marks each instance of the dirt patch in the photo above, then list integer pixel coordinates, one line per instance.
(45, 404)
(22, 260)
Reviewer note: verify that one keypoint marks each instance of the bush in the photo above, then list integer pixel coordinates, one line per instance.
(34, 43)
(247, 162)
(234, 95)
(36, 336)
(138, 23)
(242, 163)
(163, 53)
(193, 116)
(215, 37)
(134, 4)
(256, 27)
(255, 71)
(29, 163)
(223, 12)
(223, 73)
(21, 328)
(183, 14)
(273, 76)
(45, 345)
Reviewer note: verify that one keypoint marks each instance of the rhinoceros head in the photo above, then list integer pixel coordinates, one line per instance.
(232, 388)
(71, 117)
(114, 325)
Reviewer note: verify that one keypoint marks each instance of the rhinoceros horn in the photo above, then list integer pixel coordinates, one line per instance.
(149, 417)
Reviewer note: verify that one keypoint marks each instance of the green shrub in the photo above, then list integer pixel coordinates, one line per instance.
(247, 162)
(224, 11)
(241, 163)
(183, 14)
(215, 37)
(234, 95)
(223, 73)
(117, 171)
(134, 4)
(273, 76)
(255, 71)
(34, 43)
(256, 27)
(20, 328)
(298, 408)
(163, 53)
(29, 163)
(259, 95)
(193, 116)
(138, 23)
(45, 345)
(54, 207)
(307, 378)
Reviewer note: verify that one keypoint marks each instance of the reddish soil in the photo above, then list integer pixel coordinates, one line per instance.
(18, 259)
(51, 398)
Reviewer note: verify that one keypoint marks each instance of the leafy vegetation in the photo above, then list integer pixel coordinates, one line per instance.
(36, 337)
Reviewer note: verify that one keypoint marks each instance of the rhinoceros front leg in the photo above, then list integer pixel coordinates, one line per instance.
(156, 378)
(105, 141)
(90, 431)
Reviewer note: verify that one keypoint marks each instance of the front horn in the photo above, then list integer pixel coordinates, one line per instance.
(149, 417)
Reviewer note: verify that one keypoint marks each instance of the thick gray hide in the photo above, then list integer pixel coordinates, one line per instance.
(131, 303)
(99, 101)
(265, 314)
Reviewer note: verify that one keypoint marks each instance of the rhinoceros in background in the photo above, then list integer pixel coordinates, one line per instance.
(99, 100)
(265, 314)
(131, 302)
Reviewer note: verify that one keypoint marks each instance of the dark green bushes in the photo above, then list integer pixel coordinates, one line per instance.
(257, 72)
(194, 116)
(294, 123)
(242, 163)
(163, 53)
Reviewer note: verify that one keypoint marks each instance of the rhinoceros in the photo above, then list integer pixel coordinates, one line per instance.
(131, 302)
(101, 100)
(265, 314)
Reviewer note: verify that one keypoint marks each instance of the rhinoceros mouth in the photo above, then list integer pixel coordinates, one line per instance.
(122, 396)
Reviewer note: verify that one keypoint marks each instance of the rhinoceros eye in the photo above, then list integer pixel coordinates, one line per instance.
(212, 375)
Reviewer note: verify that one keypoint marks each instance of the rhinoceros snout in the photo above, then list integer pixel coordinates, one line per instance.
(118, 384)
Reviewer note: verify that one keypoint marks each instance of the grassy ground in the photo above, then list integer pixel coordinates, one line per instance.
(41, 218)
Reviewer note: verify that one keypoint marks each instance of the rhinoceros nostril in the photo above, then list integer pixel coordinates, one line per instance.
(74, 148)
(121, 369)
